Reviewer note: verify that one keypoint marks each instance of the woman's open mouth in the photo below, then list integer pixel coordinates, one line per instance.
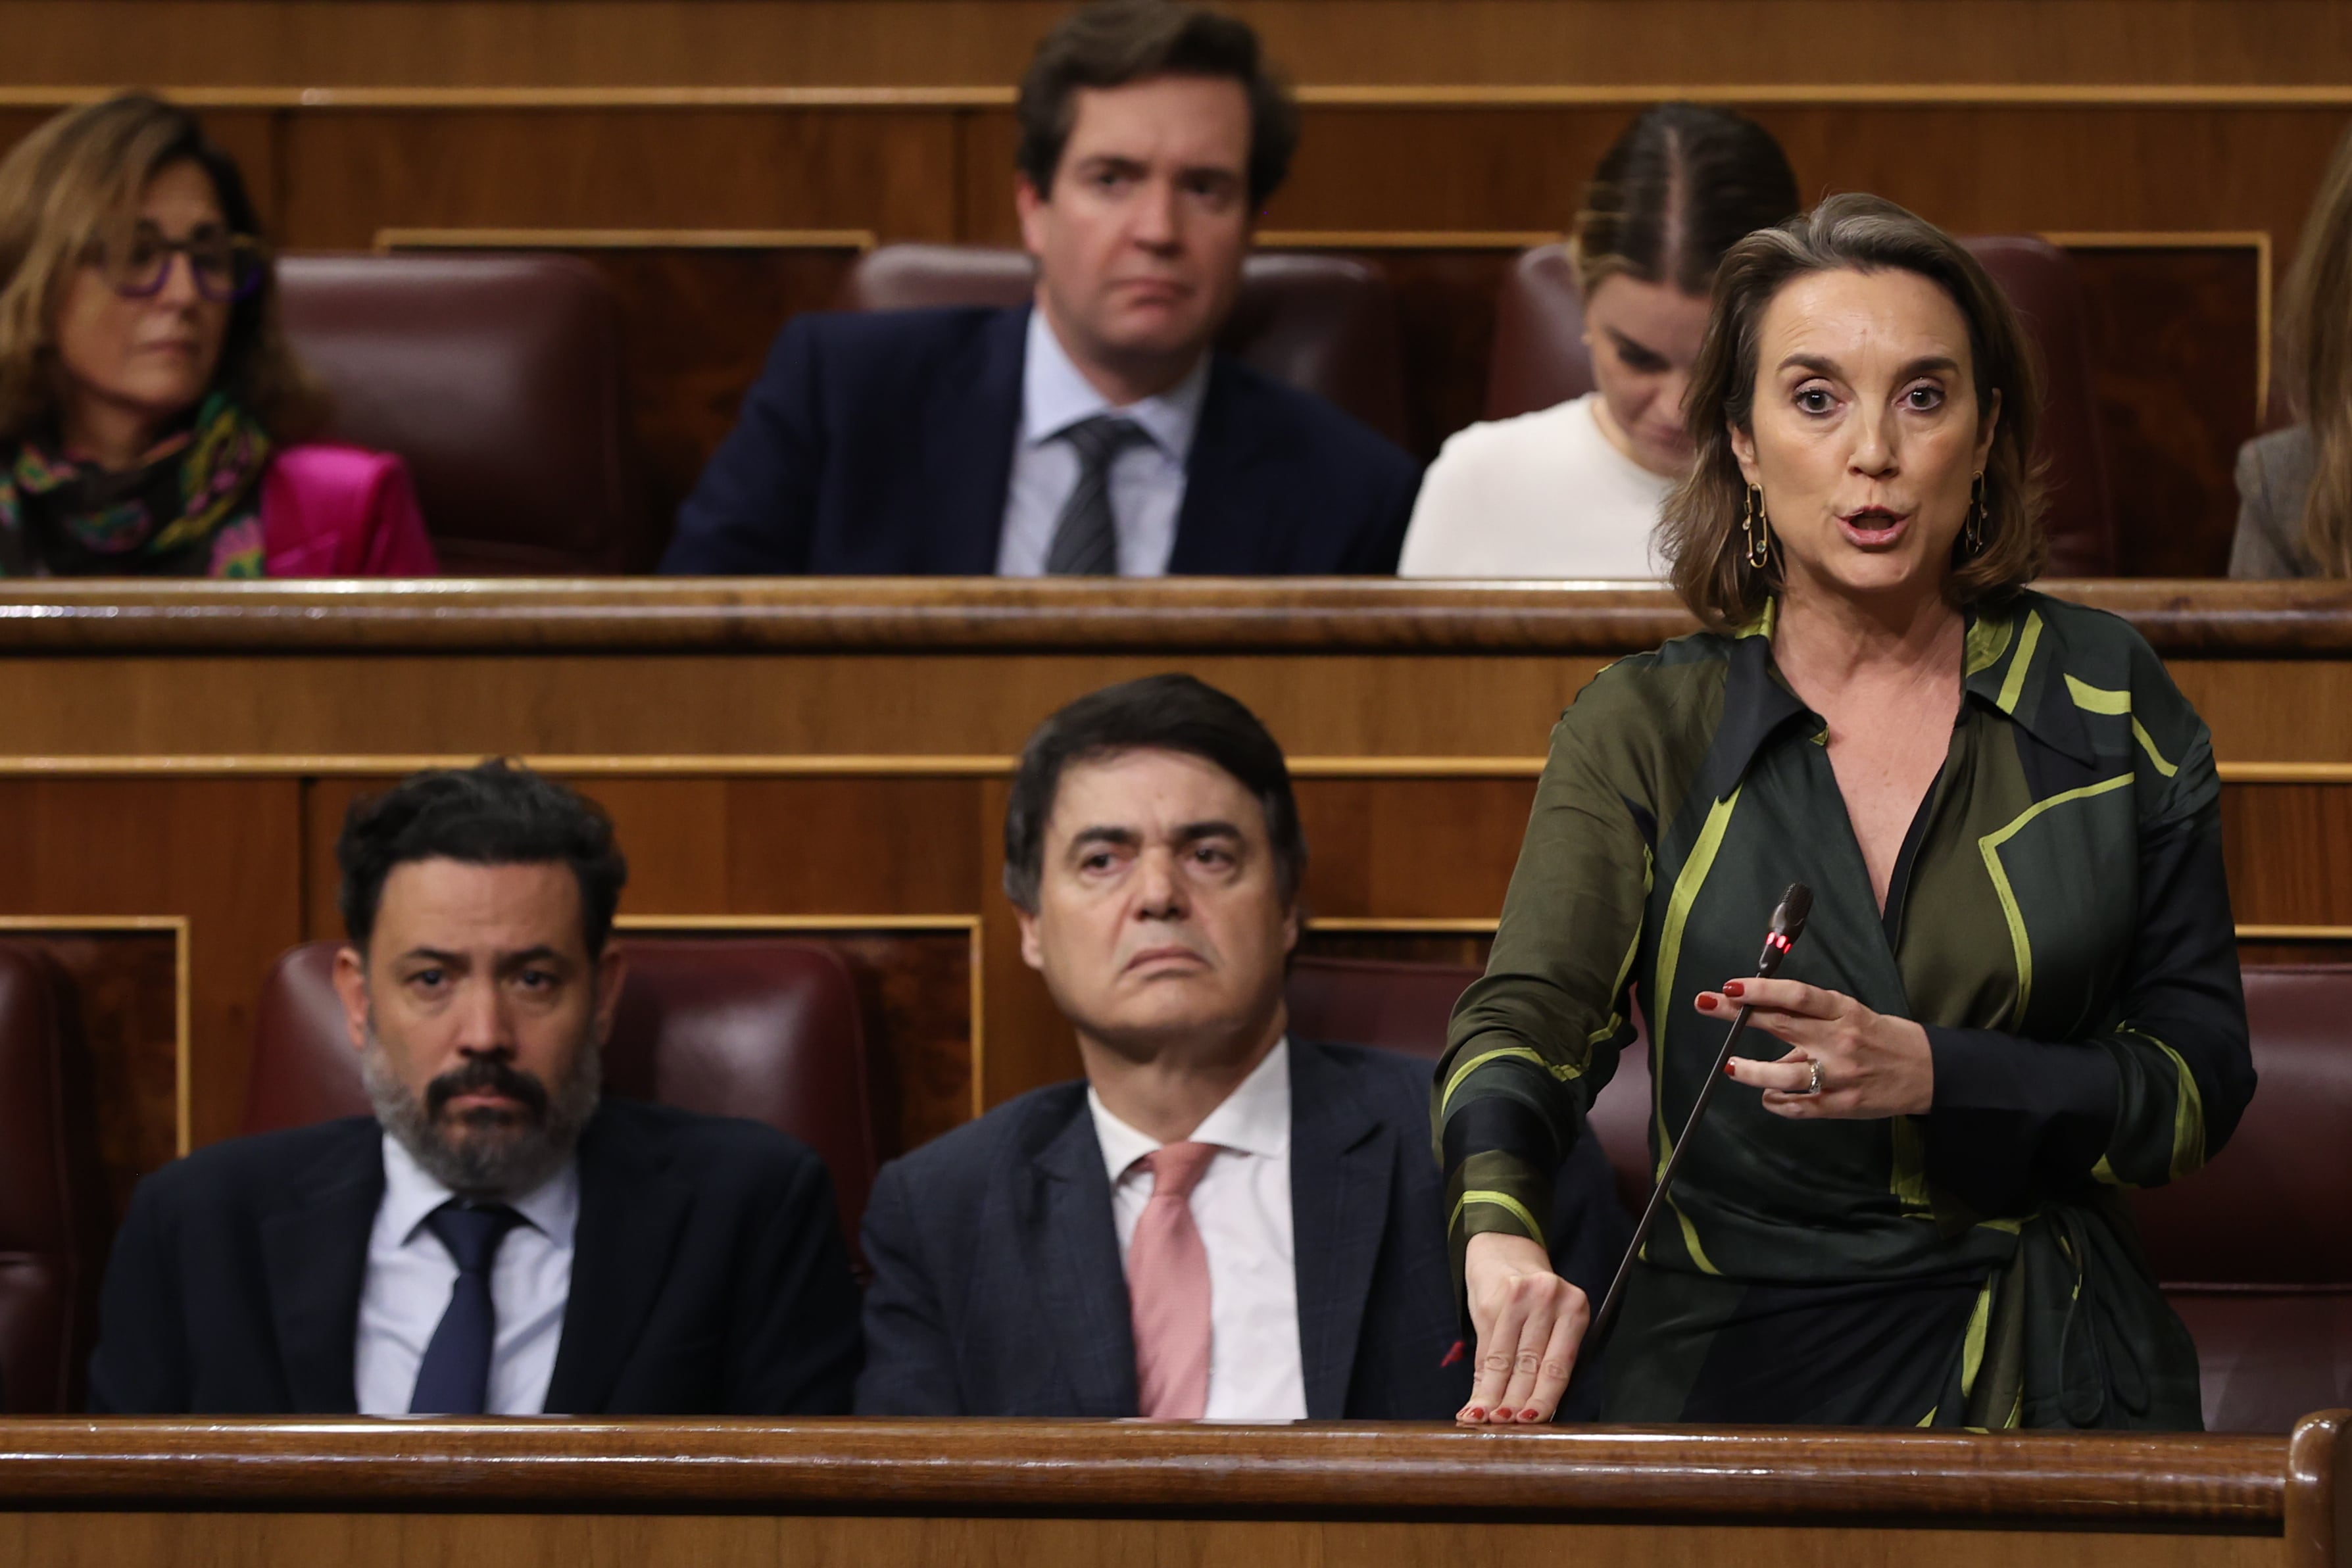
(1874, 527)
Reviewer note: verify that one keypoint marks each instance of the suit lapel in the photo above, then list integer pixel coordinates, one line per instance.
(1342, 1161)
(314, 1255)
(972, 420)
(1072, 1245)
(1226, 526)
(631, 1213)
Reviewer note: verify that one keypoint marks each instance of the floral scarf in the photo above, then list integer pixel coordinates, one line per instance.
(191, 509)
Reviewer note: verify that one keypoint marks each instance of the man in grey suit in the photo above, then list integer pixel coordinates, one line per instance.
(1220, 1220)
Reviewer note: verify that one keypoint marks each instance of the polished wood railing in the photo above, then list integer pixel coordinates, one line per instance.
(239, 1491)
(2198, 618)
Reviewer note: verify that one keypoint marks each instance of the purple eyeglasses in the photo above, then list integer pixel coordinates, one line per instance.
(226, 267)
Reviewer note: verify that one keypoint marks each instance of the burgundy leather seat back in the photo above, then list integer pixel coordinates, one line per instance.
(1404, 1006)
(52, 1229)
(2255, 1250)
(2041, 282)
(1324, 324)
(497, 377)
(1539, 359)
(749, 1026)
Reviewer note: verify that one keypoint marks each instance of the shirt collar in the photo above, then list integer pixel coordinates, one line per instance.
(411, 1194)
(1054, 396)
(2013, 664)
(2010, 664)
(1255, 1119)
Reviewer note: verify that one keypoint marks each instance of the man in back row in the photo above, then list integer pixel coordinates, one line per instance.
(1095, 432)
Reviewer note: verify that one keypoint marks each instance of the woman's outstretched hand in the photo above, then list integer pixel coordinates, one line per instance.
(1530, 1322)
(1871, 1065)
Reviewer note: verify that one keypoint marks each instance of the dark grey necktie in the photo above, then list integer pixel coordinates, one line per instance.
(1085, 538)
(454, 1379)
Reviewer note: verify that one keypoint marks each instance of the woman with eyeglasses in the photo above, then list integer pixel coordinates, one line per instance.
(152, 417)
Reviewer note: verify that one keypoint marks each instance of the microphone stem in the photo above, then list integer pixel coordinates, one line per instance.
(1597, 1335)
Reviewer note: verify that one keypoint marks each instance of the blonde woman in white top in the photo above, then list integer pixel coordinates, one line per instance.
(1573, 490)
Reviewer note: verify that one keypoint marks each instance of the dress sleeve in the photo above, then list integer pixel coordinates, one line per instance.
(396, 543)
(2017, 1120)
(2256, 550)
(1535, 1039)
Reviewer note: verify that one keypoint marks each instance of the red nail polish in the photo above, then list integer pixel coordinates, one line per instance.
(1473, 1414)
(1706, 1002)
(1730, 1071)
(1527, 1415)
(1732, 988)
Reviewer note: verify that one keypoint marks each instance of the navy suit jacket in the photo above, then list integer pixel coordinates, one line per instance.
(708, 1276)
(998, 1290)
(881, 444)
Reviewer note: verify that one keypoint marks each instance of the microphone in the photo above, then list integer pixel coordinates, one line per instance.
(1787, 924)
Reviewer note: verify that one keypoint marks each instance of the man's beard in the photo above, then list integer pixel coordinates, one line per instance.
(486, 1153)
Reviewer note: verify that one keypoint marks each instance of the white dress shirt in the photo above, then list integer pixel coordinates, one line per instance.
(1543, 495)
(1147, 480)
(410, 1275)
(1242, 1206)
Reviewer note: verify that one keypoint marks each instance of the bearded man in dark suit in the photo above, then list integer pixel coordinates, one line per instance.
(499, 1237)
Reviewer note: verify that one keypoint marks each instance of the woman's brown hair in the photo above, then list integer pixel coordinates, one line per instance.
(72, 189)
(1700, 530)
(2315, 349)
(1680, 186)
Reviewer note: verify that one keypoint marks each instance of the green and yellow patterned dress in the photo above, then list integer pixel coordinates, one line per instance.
(2059, 922)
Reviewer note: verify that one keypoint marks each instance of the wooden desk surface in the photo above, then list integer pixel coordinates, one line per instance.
(233, 1491)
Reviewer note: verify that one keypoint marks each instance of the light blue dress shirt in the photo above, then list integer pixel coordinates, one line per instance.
(410, 1275)
(1147, 480)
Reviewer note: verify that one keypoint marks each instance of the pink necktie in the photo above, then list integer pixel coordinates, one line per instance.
(1168, 1283)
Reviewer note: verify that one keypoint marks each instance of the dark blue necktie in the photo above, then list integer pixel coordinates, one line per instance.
(1086, 538)
(454, 1379)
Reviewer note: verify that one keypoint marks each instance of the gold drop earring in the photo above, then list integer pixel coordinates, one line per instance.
(1758, 528)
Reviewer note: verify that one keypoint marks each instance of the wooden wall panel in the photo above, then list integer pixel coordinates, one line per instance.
(696, 329)
(1989, 169)
(654, 704)
(554, 1539)
(2289, 848)
(704, 43)
(127, 990)
(225, 854)
(349, 175)
(2176, 338)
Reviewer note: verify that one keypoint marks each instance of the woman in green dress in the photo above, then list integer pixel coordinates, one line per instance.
(2018, 990)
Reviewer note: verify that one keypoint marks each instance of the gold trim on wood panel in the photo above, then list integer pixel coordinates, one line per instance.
(344, 765)
(971, 925)
(2294, 934)
(2285, 772)
(858, 239)
(1408, 925)
(182, 1014)
(792, 766)
(852, 765)
(1333, 95)
(1404, 238)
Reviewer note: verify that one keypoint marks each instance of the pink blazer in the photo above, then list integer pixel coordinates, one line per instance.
(341, 511)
